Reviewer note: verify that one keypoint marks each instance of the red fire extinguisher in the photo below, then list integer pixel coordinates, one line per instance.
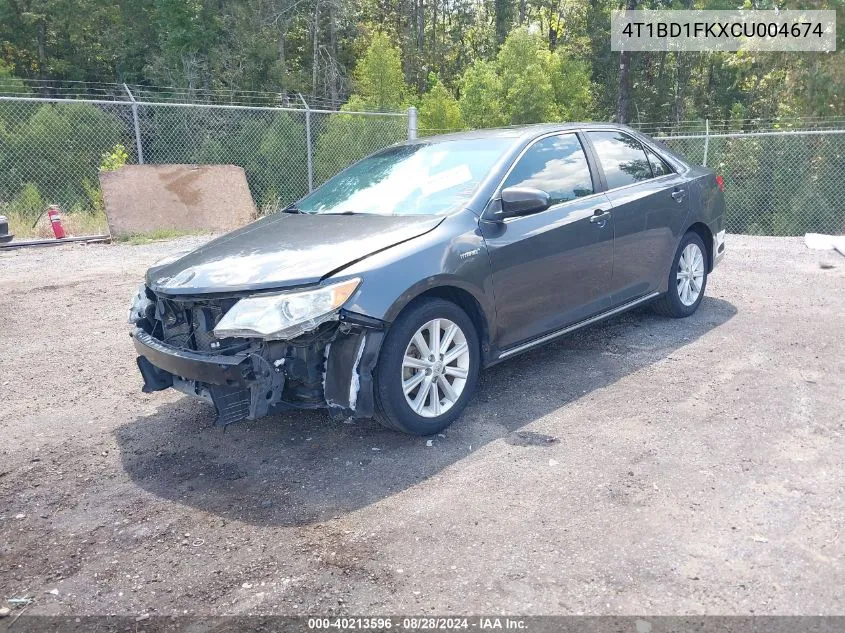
(56, 221)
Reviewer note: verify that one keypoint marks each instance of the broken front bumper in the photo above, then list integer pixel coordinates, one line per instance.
(213, 369)
(333, 369)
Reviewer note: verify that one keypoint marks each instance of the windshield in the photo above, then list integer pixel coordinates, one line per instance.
(419, 179)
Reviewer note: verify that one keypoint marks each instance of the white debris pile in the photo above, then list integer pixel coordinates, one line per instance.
(821, 242)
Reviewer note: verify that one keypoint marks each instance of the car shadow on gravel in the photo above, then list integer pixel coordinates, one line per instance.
(300, 467)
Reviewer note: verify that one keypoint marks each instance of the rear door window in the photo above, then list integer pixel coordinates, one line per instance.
(622, 158)
(659, 167)
(557, 165)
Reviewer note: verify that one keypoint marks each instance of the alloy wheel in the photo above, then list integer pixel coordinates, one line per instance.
(435, 368)
(690, 274)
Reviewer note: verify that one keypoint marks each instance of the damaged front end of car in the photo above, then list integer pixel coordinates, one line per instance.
(249, 356)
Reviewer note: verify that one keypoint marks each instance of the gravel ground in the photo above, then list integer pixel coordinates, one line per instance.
(641, 466)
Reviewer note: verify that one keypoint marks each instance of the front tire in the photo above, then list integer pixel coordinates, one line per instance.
(687, 279)
(428, 368)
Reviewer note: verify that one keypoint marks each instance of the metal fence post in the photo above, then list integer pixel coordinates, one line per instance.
(308, 143)
(412, 123)
(137, 126)
(706, 139)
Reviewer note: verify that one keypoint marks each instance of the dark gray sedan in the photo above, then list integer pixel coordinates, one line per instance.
(385, 291)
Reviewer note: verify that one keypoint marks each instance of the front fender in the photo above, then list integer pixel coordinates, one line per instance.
(453, 255)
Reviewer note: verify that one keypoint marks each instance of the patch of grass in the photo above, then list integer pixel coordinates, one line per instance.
(154, 236)
(82, 223)
(75, 224)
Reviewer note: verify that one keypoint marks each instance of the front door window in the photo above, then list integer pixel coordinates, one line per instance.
(556, 165)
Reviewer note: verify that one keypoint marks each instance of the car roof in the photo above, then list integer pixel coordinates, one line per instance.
(516, 132)
(524, 134)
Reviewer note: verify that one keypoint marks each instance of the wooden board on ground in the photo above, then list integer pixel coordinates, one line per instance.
(144, 198)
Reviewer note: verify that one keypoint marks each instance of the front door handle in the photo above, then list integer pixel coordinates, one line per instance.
(600, 217)
(678, 195)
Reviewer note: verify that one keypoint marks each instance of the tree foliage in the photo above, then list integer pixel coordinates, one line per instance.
(32, 164)
(481, 89)
(379, 82)
(380, 85)
(463, 63)
(386, 52)
(439, 110)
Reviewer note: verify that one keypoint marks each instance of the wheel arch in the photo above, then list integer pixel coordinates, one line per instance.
(461, 297)
(703, 231)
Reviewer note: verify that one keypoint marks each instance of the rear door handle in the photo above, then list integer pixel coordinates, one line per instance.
(678, 195)
(600, 217)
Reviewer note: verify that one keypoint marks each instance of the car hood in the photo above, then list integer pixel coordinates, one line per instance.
(284, 250)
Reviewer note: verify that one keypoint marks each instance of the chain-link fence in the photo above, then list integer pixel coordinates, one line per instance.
(51, 150)
(777, 182)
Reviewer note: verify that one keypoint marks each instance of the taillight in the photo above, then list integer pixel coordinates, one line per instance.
(720, 182)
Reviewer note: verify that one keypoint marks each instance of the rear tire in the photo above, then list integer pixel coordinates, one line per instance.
(687, 279)
(427, 369)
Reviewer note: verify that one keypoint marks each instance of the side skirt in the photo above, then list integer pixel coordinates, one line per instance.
(571, 328)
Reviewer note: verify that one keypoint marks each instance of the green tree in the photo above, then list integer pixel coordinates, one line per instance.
(517, 88)
(57, 149)
(346, 138)
(280, 178)
(573, 91)
(530, 97)
(481, 96)
(12, 113)
(263, 146)
(503, 10)
(439, 110)
(380, 86)
(11, 84)
(520, 51)
(524, 65)
(187, 33)
(379, 81)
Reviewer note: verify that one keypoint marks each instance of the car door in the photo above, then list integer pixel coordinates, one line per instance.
(552, 268)
(650, 207)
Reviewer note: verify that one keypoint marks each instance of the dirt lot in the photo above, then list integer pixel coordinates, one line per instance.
(697, 467)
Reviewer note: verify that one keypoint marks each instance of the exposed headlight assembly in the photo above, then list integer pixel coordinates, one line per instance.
(285, 315)
(139, 306)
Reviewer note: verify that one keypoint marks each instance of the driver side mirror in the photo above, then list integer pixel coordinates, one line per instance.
(518, 201)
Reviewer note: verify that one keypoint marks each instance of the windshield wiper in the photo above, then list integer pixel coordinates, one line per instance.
(292, 208)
